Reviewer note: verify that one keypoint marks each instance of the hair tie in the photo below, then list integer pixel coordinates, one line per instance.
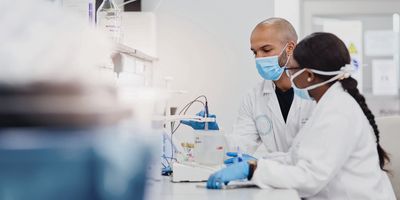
(346, 71)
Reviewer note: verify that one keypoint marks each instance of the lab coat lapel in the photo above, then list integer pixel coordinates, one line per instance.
(294, 109)
(275, 109)
(272, 102)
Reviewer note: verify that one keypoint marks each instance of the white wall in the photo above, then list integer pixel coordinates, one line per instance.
(205, 46)
(150, 5)
(290, 10)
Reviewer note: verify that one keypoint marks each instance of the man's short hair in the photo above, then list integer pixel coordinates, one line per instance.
(283, 26)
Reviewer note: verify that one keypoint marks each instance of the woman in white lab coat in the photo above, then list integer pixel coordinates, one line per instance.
(337, 153)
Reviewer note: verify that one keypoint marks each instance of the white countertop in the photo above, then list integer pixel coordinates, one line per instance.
(167, 190)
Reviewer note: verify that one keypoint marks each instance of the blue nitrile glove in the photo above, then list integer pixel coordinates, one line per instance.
(200, 125)
(234, 158)
(236, 171)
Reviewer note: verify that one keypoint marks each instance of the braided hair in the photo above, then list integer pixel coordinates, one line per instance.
(326, 52)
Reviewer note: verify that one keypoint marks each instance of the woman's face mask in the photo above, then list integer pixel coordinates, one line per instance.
(303, 93)
(268, 67)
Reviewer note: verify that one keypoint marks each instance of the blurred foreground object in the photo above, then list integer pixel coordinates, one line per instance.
(59, 105)
(66, 141)
(78, 164)
(64, 131)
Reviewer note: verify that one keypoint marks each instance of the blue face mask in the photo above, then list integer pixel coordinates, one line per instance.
(302, 93)
(268, 67)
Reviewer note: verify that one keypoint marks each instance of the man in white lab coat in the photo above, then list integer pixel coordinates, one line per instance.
(270, 113)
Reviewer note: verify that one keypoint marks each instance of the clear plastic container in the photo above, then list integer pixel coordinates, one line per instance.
(109, 19)
(209, 147)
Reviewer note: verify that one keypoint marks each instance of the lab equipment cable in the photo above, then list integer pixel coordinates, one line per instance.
(167, 170)
(127, 2)
(187, 106)
(206, 115)
(184, 110)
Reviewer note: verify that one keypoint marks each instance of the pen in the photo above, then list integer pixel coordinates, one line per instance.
(239, 154)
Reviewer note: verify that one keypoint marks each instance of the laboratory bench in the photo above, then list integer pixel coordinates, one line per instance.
(166, 190)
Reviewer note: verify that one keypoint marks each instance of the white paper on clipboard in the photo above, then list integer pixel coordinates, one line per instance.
(384, 77)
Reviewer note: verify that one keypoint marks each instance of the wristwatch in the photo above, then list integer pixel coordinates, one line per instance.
(252, 168)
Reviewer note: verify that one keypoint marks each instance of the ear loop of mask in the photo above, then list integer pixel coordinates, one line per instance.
(343, 73)
(284, 48)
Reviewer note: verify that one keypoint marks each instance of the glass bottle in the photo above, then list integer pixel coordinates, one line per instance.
(109, 19)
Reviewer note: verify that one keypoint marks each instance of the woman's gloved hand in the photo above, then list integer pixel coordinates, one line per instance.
(236, 171)
(235, 159)
(201, 125)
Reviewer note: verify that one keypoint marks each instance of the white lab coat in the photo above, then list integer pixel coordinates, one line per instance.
(334, 156)
(260, 120)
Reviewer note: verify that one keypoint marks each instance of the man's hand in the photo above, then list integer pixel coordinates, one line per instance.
(201, 125)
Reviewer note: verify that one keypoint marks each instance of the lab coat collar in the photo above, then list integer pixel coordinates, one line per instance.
(336, 87)
(268, 87)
